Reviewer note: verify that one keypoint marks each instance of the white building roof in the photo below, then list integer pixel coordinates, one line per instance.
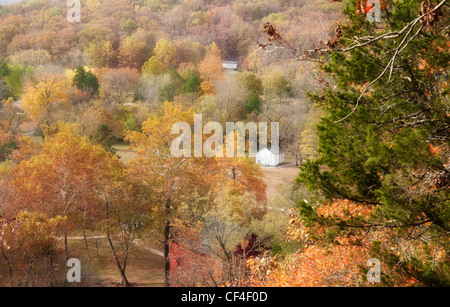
(230, 65)
(270, 151)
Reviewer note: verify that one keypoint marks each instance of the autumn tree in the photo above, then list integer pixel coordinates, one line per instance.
(161, 173)
(12, 116)
(41, 100)
(28, 246)
(192, 264)
(211, 68)
(7, 144)
(30, 57)
(149, 88)
(231, 97)
(277, 89)
(118, 85)
(193, 83)
(82, 183)
(126, 213)
(208, 88)
(132, 52)
(340, 260)
(165, 52)
(153, 66)
(99, 125)
(255, 90)
(160, 5)
(4, 72)
(101, 55)
(63, 183)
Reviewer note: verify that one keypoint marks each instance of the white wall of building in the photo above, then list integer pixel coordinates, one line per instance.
(268, 159)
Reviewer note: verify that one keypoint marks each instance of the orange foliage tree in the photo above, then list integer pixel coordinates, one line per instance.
(62, 178)
(28, 246)
(332, 258)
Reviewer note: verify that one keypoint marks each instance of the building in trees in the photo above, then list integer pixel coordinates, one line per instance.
(268, 158)
(231, 65)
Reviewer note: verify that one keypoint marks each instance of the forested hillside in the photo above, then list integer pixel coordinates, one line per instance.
(154, 51)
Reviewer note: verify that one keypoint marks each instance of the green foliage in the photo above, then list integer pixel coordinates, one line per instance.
(128, 26)
(275, 18)
(91, 82)
(252, 82)
(255, 88)
(131, 124)
(192, 84)
(80, 75)
(4, 68)
(198, 18)
(282, 87)
(14, 80)
(4, 91)
(253, 104)
(167, 92)
(171, 90)
(54, 11)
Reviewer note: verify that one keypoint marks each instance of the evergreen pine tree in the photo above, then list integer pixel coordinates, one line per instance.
(385, 141)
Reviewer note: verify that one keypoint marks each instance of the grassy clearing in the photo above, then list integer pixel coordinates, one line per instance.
(144, 268)
(123, 151)
(276, 177)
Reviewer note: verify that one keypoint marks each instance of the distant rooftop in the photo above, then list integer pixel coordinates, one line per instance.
(272, 151)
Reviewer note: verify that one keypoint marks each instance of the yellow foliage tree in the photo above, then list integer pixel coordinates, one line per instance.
(153, 66)
(165, 51)
(213, 49)
(39, 99)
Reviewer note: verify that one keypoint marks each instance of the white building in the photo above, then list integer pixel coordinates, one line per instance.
(230, 65)
(268, 158)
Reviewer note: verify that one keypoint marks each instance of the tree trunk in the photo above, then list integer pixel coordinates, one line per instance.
(30, 267)
(167, 254)
(8, 263)
(167, 246)
(86, 242)
(84, 235)
(113, 250)
(119, 266)
(52, 273)
(66, 248)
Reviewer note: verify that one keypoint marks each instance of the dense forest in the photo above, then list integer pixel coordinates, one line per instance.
(86, 115)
